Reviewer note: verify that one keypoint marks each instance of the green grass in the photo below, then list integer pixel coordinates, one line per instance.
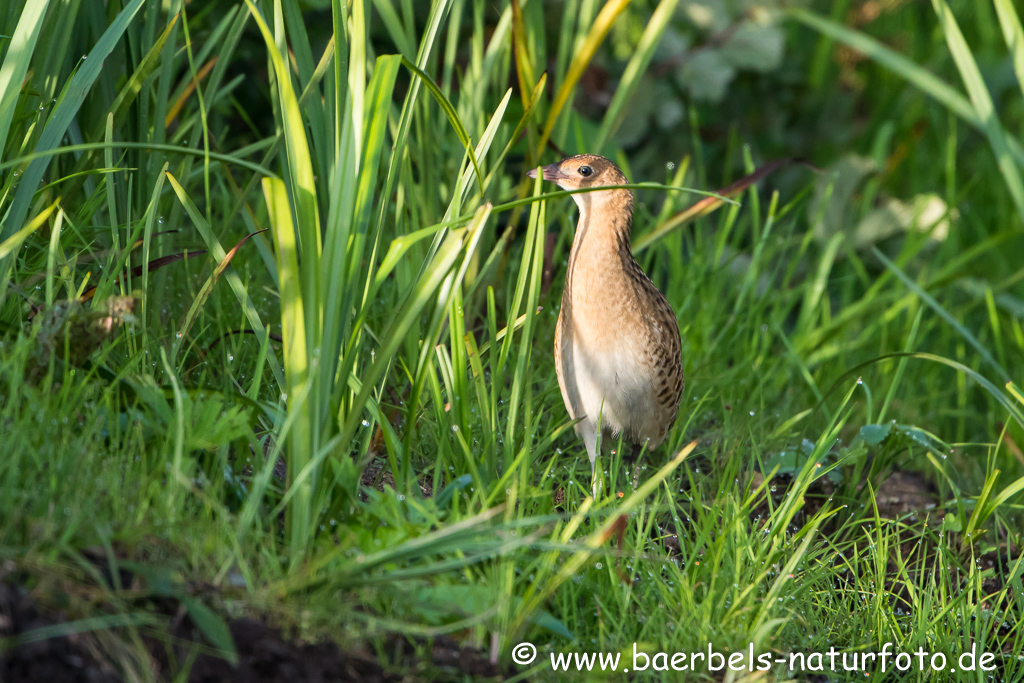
(331, 403)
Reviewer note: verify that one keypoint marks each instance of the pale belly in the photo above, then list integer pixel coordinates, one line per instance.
(612, 386)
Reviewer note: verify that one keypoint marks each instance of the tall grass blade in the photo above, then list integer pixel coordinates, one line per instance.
(453, 116)
(539, 591)
(234, 281)
(580, 60)
(16, 62)
(297, 356)
(982, 101)
(635, 69)
(63, 113)
(1012, 32)
(946, 315)
(919, 77)
(10, 246)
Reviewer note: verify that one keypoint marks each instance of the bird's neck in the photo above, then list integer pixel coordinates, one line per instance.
(602, 233)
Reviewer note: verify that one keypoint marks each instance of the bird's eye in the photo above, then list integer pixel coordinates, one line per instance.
(585, 171)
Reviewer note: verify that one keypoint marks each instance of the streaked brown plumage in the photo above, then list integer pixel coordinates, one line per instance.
(617, 346)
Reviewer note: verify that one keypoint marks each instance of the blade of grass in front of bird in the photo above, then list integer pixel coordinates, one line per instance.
(63, 114)
(635, 70)
(150, 147)
(982, 101)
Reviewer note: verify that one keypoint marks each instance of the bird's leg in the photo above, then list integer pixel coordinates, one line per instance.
(635, 450)
(634, 456)
(589, 433)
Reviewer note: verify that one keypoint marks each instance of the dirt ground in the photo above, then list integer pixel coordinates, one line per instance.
(265, 655)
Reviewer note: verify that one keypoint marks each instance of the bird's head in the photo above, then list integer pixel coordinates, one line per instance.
(582, 171)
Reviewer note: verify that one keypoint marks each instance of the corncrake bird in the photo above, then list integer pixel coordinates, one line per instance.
(617, 346)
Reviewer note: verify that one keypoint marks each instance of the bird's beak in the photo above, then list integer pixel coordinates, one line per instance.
(550, 172)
